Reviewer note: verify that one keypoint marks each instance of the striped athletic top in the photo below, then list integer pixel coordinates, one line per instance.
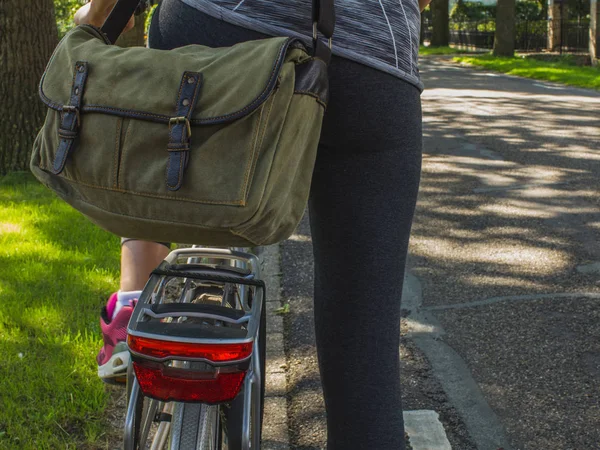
(383, 34)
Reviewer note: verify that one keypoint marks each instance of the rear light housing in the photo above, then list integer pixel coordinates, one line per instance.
(218, 387)
(189, 372)
(193, 330)
(156, 348)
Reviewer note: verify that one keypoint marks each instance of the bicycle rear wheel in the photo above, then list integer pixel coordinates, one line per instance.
(196, 427)
(220, 427)
(213, 300)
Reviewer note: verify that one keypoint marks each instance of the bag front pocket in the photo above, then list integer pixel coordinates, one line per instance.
(93, 160)
(220, 166)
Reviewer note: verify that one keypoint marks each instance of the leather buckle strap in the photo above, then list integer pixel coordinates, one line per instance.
(70, 119)
(175, 120)
(180, 130)
(74, 109)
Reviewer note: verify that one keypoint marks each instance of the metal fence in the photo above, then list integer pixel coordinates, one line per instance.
(476, 35)
(576, 35)
(530, 36)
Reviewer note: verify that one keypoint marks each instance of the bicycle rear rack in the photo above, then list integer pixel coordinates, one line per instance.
(198, 320)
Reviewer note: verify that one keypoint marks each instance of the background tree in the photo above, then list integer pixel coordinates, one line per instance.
(440, 33)
(423, 24)
(27, 37)
(64, 11)
(504, 40)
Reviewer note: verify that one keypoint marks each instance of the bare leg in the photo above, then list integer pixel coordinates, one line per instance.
(138, 259)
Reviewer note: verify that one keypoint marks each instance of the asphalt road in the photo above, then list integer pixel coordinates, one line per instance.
(509, 217)
(502, 300)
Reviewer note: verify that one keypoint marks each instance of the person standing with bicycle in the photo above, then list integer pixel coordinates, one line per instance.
(363, 195)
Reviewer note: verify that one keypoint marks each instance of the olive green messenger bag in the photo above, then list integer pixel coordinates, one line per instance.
(214, 146)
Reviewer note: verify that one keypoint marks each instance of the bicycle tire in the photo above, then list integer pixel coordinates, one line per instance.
(194, 425)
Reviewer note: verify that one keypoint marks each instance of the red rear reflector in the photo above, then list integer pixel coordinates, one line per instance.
(154, 383)
(212, 352)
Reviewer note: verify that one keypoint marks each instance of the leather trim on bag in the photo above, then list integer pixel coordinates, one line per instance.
(70, 118)
(311, 78)
(180, 131)
(163, 118)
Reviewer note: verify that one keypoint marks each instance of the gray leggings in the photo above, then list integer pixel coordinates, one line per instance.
(363, 196)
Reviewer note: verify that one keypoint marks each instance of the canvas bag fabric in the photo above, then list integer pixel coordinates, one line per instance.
(192, 145)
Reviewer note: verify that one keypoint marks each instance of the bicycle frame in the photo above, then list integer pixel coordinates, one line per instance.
(153, 294)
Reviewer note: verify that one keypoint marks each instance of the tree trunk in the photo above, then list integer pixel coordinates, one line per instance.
(137, 35)
(504, 40)
(422, 30)
(27, 37)
(440, 33)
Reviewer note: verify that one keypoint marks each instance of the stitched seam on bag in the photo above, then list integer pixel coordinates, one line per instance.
(257, 148)
(237, 233)
(51, 104)
(253, 144)
(253, 141)
(193, 104)
(248, 223)
(147, 194)
(73, 85)
(277, 64)
(267, 120)
(195, 225)
(45, 99)
(182, 158)
(170, 156)
(68, 142)
(124, 147)
(312, 94)
(63, 160)
(180, 177)
(165, 118)
(117, 151)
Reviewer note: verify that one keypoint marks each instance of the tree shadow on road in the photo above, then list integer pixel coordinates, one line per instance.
(509, 197)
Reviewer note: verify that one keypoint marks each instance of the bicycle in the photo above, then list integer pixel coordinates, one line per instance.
(197, 344)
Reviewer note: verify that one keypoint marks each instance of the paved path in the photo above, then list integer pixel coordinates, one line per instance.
(502, 299)
(506, 249)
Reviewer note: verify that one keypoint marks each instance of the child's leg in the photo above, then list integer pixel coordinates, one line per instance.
(138, 259)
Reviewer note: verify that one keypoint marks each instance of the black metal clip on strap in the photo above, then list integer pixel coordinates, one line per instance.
(323, 16)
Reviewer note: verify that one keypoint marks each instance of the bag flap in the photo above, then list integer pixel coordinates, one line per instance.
(144, 83)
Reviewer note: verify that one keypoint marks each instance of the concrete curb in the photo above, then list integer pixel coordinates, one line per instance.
(275, 425)
(452, 372)
(425, 430)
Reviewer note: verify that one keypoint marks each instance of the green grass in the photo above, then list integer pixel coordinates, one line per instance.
(56, 270)
(424, 51)
(561, 71)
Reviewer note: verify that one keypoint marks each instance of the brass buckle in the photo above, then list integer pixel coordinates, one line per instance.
(175, 120)
(71, 108)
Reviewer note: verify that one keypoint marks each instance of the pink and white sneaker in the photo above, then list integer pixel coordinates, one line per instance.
(113, 357)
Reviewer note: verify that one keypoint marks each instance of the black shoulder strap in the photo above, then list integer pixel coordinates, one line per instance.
(118, 18)
(323, 15)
